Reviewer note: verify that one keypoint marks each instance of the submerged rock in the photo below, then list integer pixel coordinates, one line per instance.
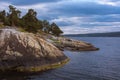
(25, 52)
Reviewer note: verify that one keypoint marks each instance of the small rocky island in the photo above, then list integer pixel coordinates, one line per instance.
(28, 44)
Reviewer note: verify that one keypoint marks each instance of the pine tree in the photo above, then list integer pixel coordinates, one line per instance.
(14, 16)
(55, 30)
(30, 21)
(46, 26)
(2, 16)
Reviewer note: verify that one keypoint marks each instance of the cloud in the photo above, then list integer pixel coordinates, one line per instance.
(81, 25)
(85, 20)
(68, 20)
(110, 2)
(4, 5)
(74, 16)
(40, 8)
(50, 10)
(70, 8)
(95, 29)
(26, 2)
(77, 8)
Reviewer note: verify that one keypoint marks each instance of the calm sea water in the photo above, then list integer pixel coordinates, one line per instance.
(91, 65)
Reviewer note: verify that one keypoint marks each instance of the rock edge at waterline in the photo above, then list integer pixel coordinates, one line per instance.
(64, 43)
(24, 52)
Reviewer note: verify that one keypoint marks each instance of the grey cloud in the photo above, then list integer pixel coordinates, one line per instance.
(28, 2)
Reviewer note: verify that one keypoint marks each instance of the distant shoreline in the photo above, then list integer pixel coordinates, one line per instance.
(110, 34)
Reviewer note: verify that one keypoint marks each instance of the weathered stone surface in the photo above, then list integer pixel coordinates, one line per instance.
(25, 52)
(71, 44)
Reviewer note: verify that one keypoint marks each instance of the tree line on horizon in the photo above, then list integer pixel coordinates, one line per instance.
(29, 22)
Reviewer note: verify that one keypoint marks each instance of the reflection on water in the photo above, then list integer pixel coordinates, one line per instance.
(21, 76)
(14, 77)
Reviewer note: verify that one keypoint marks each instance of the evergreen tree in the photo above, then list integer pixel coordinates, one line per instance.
(2, 16)
(55, 30)
(46, 26)
(40, 25)
(14, 16)
(30, 21)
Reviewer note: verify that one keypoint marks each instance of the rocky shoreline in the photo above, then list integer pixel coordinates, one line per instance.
(64, 43)
(28, 52)
(24, 52)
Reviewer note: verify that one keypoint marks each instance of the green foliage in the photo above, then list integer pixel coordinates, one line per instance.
(13, 16)
(1, 25)
(21, 29)
(2, 16)
(55, 30)
(29, 22)
(46, 26)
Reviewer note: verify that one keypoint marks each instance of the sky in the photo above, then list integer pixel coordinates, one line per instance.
(74, 16)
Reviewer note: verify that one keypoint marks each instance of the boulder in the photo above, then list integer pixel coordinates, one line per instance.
(25, 52)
